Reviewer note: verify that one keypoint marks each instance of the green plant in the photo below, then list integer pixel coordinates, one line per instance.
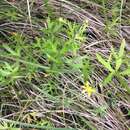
(114, 66)
(55, 48)
(54, 52)
(9, 72)
(112, 20)
(45, 123)
(44, 62)
(7, 126)
(10, 13)
(86, 69)
(10, 125)
(49, 8)
(110, 11)
(101, 110)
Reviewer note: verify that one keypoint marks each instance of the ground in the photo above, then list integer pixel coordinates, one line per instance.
(65, 64)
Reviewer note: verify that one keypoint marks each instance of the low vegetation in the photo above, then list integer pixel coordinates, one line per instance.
(64, 65)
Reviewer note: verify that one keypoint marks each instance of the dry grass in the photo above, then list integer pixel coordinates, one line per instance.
(66, 105)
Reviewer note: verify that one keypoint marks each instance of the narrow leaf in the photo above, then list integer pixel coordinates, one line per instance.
(120, 55)
(103, 62)
(122, 48)
(114, 54)
(126, 72)
(118, 63)
(124, 83)
(108, 78)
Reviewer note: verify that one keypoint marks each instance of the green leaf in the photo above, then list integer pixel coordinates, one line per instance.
(122, 48)
(86, 69)
(126, 72)
(128, 112)
(120, 55)
(124, 83)
(118, 63)
(11, 51)
(110, 58)
(108, 78)
(14, 129)
(103, 62)
(113, 52)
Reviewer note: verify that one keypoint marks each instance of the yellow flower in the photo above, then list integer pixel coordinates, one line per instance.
(88, 89)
